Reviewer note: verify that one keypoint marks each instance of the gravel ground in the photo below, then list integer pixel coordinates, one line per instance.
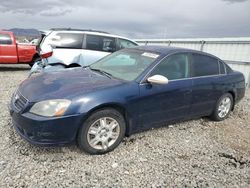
(197, 153)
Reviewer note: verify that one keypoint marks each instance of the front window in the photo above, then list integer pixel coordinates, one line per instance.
(126, 64)
(174, 67)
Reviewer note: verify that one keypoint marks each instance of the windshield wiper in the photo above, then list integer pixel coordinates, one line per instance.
(102, 72)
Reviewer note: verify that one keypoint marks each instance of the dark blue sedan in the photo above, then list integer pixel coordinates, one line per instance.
(126, 92)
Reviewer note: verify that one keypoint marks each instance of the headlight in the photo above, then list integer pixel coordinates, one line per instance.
(50, 108)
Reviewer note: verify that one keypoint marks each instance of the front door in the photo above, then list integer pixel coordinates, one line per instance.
(168, 102)
(8, 52)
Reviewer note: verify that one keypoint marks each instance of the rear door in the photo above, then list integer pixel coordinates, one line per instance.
(8, 53)
(205, 71)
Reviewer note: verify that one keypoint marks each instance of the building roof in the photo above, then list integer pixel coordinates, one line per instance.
(163, 49)
(223, 39)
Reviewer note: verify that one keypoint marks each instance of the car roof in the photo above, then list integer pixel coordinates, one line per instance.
(161, 49)
(165, 50)
(87, 31)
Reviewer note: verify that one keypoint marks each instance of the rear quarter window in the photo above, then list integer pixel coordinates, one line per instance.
(222, 68)
(67, 40)
(5, 39)
(228, 69)
(203, 65)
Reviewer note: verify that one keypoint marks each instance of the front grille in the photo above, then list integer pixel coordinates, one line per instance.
(19, 101)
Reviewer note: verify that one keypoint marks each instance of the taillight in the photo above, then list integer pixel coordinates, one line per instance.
(46, 55)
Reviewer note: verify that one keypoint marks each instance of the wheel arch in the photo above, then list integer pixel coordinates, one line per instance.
(233, 95)
(35, 56)
(119, 107)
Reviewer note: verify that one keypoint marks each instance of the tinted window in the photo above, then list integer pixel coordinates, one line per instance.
(67, 40)
(5, 39)
(222, 68)
(100, 43)
(228, 69)
(204, 65)
(122, 43)
(174, 67)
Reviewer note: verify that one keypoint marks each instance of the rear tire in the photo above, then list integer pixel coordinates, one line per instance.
(223, 107)
(102, 132)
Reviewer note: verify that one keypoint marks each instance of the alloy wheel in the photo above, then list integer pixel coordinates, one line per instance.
(224, 107)
(103, 133)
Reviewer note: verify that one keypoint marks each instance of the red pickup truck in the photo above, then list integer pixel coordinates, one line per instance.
(13, 53)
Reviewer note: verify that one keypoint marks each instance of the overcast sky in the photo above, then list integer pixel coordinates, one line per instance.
(133, 18)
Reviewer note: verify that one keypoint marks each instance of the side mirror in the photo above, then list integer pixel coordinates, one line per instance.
(157, 79)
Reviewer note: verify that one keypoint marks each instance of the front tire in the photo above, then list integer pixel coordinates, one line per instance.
(102, 131)
(223, 107)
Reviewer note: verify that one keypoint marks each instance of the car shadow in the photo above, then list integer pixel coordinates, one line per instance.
(14, 67)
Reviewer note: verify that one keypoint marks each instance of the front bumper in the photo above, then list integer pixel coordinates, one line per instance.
(46, 131)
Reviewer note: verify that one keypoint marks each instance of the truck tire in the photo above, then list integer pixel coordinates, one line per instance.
(35, 59)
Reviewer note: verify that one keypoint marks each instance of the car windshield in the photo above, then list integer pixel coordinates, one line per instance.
(125, 64)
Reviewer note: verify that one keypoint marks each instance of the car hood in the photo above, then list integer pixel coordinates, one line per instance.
(64, 84)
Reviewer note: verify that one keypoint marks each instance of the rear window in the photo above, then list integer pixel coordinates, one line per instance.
(5, 39)
(67, 40)
(100, 43)
(203, 65)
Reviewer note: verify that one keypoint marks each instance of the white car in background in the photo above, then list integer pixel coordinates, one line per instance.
(75, 47)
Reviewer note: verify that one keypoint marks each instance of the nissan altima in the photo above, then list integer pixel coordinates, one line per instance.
(126, 92)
